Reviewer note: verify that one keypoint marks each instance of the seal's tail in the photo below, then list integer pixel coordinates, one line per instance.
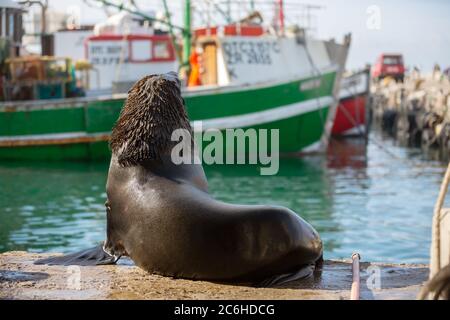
(90, 257)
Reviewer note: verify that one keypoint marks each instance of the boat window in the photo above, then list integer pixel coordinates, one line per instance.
(161, 50)
(141, 50)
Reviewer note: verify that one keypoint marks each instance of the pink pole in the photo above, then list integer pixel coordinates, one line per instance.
(354, 293)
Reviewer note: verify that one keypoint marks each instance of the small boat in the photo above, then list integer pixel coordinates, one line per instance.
(351, 115)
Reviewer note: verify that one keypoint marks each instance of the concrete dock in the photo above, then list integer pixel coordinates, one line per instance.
(21, 279)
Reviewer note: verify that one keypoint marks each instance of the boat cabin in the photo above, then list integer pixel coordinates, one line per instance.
(235, 54)
(247, 55)
(120, 60)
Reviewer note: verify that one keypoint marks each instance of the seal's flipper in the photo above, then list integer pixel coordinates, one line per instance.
(303, 273)
(89, 257)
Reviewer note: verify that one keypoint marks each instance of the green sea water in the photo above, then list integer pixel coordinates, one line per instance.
(375, 200)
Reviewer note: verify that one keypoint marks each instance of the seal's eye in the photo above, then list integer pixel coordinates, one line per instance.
(108, 207)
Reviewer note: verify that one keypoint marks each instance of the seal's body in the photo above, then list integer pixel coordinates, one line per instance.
(174, 227)
(162, 216)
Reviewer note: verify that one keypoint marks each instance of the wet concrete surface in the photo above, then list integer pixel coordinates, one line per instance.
(21, 279)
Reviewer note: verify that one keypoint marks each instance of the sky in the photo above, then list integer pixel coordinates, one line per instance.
(419, 29)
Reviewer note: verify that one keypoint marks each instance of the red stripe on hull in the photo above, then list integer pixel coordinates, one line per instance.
(351, 113)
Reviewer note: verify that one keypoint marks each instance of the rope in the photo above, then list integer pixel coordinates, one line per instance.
(358, 108)
(316, 73)
(353, 93)
(435, 264)
(339, 73)
(373, 140)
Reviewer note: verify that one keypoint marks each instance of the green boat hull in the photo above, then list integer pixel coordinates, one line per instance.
(77, 129)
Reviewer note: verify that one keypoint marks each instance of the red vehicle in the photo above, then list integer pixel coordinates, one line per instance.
(389, 65)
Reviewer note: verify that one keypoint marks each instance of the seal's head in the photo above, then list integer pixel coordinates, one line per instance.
(153, 110)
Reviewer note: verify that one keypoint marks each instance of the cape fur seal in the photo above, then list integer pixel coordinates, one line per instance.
(162, 216)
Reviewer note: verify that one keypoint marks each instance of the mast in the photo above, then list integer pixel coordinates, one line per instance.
(187, 32)
(172, 34)
(281, 16)
(121, 7)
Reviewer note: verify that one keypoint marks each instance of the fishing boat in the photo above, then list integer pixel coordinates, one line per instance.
(351, 114)
(284, 81)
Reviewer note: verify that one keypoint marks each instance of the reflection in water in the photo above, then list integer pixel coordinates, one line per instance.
(347, 153)
(359, 199)
(56, 206)
(383, 198)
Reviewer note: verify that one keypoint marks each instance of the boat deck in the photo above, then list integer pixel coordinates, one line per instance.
(20, 279)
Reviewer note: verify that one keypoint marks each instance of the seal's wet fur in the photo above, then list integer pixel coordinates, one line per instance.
(162, 216)
(153, 110)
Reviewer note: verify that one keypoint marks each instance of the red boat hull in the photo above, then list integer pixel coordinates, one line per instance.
(350, 116)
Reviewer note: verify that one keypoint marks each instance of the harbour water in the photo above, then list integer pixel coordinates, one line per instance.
(376, 199)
